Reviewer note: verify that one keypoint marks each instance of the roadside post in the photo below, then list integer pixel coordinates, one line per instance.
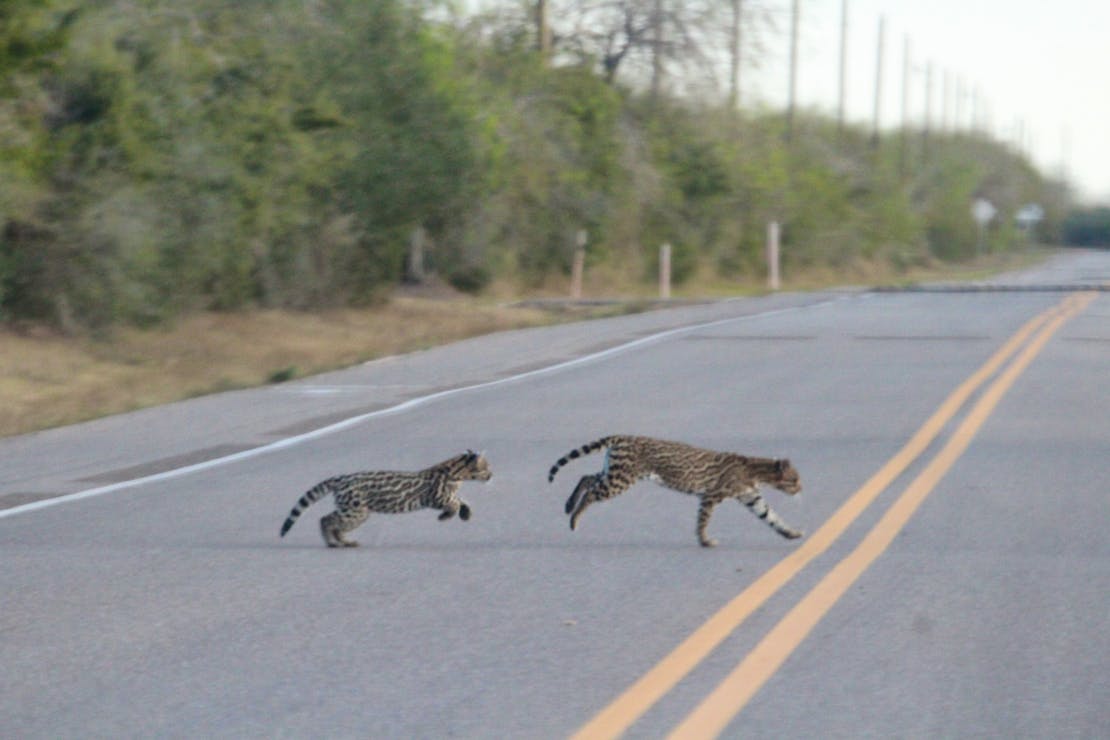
(773, 255)
(983, 211)
(665, 271)
(578, 265)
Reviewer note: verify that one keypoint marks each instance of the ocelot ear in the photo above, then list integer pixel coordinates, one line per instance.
(781, 466)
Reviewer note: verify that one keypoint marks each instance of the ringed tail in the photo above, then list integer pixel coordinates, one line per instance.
(577, 452)
(310, 497)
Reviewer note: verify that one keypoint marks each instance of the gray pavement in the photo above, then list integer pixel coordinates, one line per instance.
(167, 606)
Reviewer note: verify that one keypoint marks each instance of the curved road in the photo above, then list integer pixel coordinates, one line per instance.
(954, 582)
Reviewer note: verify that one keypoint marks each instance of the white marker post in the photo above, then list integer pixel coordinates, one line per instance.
(773, 255)
(665, 271)
(983, 211)
(417, 239)
(578, 265)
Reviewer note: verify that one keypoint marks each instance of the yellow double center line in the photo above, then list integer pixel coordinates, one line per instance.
(715, 712)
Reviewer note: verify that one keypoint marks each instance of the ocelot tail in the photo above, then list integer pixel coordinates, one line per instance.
(391, 492)
(712, 476)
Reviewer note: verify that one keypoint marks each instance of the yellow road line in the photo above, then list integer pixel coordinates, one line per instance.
(623, 711)
(734, 692)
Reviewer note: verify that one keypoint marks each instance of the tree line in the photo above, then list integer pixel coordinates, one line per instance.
(159, 157)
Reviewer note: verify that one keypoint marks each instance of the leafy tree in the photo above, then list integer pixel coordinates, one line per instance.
(648, 35)
(166, 156)
(412, 160)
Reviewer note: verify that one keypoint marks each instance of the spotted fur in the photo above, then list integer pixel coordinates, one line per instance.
(357, 495)
(712, 476)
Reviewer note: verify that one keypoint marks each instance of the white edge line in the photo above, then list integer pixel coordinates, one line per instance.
(398, 409)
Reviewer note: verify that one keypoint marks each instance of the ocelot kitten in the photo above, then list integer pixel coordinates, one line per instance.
(712, 476)
(391, 492)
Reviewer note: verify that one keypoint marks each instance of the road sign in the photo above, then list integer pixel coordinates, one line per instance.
(983, 211)
(1029, 215)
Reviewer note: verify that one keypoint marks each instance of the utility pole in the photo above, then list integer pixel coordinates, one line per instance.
(945, 101)
(793, 71)
(734, 56)
(843, 88)
(927, 126)
(1019, 135)
(878, 84)
(657, 50)
(543, 31)
(988, 114)
(978, 111)
(1065, 152)
(961, 95)
(906, 71)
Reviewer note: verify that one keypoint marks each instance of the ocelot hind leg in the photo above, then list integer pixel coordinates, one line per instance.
(336, 523)
(597, 487)
(705, 511)
(584, 485)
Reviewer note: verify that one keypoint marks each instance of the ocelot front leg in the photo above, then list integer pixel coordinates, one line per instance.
(455, 506)
(761, 509)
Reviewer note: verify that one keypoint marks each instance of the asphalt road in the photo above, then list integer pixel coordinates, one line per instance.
(144, 591)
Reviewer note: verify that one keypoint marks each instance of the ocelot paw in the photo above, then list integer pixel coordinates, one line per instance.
(708, 543)
(571, 503)
(792, 534)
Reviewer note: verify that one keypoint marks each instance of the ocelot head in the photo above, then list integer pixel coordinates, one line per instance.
(786, 477)
(475, 467)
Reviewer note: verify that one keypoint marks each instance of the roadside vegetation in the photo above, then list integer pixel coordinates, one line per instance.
(185, 165)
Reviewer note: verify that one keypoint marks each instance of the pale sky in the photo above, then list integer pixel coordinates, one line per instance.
(1042, 70)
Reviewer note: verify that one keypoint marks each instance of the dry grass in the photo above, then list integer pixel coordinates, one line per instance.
(48, 380)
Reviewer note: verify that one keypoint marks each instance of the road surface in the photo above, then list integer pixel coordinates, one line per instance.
(954, 581)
